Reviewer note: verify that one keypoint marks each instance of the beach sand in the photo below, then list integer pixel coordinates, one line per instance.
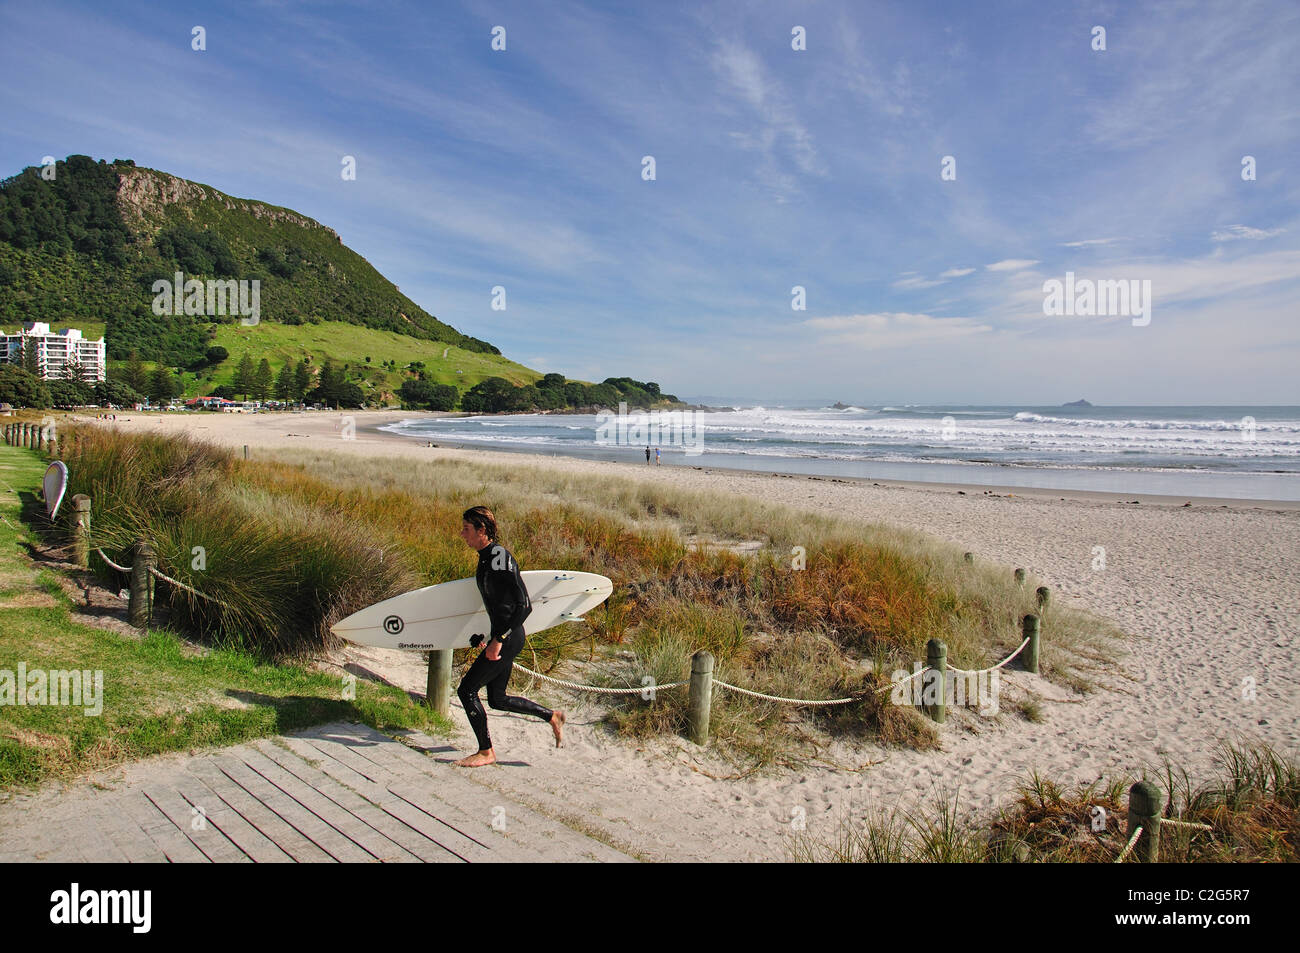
(1209, 594)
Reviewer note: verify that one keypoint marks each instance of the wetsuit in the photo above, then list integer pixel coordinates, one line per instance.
(506, 599)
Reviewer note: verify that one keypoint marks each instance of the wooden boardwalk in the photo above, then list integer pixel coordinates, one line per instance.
(337, 792)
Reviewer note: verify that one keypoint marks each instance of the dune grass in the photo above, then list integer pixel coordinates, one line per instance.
(824, 608)
(277, 575)
(159, 692)
(1251, 802)
(866, 601)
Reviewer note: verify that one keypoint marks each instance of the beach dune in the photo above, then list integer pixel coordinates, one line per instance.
(1208, 593)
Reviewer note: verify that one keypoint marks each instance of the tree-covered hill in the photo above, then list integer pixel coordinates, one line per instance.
(82, 244)
(87, 244)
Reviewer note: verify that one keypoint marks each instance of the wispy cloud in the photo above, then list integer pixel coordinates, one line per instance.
(956, 272)
(1091, 241)
(891, 330)
(914, 283)
(1012, 264)
(779, 137)
(1244, 232)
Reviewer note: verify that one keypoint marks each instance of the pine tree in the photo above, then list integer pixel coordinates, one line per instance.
(245, 376)
(330, 381)
(162, 386)
(301, 380)
(284, 383)
(262, 380)
(72, 371)
(31, 361)
(134, 375)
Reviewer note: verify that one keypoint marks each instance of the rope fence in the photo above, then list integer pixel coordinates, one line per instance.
(1146, 820)
(144, 571)
(1129, 846)
(145, 557)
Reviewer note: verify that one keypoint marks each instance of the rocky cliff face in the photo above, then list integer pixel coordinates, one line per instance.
(143, 194)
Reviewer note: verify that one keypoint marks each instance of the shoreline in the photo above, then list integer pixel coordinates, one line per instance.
(374, 428)
(370, 422)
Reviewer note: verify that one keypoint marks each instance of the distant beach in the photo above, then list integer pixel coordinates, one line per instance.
(1195, 452)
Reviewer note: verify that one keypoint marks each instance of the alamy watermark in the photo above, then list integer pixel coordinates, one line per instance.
(979, 688)
(666, 428)
(1088, 298)
(209, 298)
(72, 688)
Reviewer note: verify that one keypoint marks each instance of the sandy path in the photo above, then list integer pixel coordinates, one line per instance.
(1209, 592)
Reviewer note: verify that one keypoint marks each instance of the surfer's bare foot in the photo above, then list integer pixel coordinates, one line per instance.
(478, 759)
(557, 726)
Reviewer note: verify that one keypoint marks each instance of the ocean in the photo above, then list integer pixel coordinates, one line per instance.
(1231, 452)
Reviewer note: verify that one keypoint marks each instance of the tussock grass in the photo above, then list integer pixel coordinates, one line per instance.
(1252, 802)
(278, 574)
(295, 541)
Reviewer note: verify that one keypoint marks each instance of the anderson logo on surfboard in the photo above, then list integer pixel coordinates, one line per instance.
(394, 624)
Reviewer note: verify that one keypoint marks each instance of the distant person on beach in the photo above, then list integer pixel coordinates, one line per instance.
(506, 598)
(647, 453)
(656, 456)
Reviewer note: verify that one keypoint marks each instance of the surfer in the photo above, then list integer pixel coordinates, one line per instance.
(506, 598)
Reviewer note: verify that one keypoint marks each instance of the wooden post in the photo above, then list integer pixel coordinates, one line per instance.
(934, 691)
(245, 451)
(1044, 598)
(701, 695)
(81, 529)
(140, 607)
(1144, 810)
(22, 438)
(437, 689)
(1020, 577)
(1030, 656)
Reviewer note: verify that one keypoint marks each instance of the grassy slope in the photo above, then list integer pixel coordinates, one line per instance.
(352, 344)
(159, 694)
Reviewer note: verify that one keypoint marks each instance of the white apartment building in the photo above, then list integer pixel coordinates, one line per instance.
(54, 351)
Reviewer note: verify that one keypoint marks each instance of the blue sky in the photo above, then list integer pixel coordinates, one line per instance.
(775, 168)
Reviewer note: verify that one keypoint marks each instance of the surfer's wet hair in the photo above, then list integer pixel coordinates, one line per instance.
(480, 517)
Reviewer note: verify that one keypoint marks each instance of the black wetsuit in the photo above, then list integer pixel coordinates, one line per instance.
(508, 605)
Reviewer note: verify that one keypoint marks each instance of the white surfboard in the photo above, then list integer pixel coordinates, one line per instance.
(446, 615)
(55, 485)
